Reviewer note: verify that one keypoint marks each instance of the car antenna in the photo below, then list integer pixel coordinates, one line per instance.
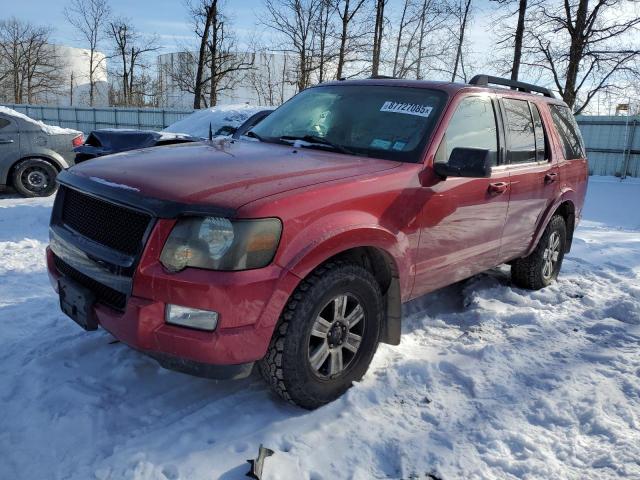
(210, 132)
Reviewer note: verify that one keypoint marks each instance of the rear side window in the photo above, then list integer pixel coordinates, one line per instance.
(522, 138)
(568, 131)
(4, 122)
(473, 125)
(541, 140)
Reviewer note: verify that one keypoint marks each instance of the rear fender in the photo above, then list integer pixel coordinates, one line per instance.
(567, 194)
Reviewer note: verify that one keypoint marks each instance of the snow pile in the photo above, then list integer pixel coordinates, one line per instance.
(490, 381)
(48, 129)
(197, 124)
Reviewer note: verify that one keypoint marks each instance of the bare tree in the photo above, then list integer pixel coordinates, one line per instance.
(324, 33)
(130, 49)
(421, 38)
(461, 10)
(29, 66)
(295, 20)
(405, 21)
(348, 36)
(584, 46)
(513, 39)
(377, 36)
(89, 18)
(218, 62)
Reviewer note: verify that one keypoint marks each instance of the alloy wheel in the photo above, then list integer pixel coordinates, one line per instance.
(336, 336)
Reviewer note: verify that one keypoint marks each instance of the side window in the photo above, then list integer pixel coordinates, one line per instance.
(568, 131)
(4, 122)
(522, 139)
(541, 140)
(473, 125)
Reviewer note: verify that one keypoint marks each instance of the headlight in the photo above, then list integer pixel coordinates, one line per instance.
(217, 243)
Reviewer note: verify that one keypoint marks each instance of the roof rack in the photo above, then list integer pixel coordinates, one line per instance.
(485, 80)
(381, 77)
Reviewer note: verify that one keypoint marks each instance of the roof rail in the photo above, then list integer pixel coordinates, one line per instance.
(486, 80)
(381, 77)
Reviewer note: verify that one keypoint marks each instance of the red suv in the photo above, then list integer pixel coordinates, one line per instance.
(295, 246)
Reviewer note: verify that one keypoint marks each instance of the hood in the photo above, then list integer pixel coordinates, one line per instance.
(224, 174)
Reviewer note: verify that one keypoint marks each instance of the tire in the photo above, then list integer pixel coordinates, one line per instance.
(541, 268)
(34, 177)
(301, 337)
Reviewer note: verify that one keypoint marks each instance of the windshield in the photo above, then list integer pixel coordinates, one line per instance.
(386, 122)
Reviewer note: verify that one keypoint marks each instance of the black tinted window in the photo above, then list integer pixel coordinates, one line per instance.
(522, 140)
(541, 140)
(568, 131)
(473, 125)
(377, 121)
(4, 122)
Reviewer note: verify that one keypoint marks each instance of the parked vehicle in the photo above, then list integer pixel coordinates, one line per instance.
(107, 141)
(298, 254)
(222, 122)
(32, 153)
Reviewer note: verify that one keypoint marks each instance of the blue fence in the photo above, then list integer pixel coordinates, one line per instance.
(86, 119)
(613, 143)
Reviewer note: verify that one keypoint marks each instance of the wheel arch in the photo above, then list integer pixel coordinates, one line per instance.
(380, 255)
(566, 207)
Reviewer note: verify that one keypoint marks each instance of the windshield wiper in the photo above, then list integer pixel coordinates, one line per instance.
(253, 134)
(314, 139)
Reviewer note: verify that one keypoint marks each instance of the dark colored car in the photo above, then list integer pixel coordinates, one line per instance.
(298, 254)
(32, 153)
(108, 141)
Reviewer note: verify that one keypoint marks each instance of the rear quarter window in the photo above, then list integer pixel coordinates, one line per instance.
(568, 131)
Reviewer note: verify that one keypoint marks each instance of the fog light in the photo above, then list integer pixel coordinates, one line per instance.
(191, 317)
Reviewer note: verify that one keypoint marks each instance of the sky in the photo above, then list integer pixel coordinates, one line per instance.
(168, 19)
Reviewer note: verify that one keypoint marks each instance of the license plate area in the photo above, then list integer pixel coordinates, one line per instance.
(77, 302)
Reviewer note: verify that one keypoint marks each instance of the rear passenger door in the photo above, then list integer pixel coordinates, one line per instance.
(533, 174)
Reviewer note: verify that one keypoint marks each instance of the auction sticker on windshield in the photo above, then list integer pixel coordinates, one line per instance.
(406, 108)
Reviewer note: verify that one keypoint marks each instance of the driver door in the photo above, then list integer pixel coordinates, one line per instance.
(462, 220)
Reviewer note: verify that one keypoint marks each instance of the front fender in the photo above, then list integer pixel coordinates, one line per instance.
(566, 194)
(331, 235)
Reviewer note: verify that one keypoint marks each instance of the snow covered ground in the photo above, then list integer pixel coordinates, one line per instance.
(490, 381)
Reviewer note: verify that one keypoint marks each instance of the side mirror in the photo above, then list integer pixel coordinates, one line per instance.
(466, 162)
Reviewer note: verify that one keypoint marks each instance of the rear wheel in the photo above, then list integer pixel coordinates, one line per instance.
(326, 336)
(35, 177)
(541, 268)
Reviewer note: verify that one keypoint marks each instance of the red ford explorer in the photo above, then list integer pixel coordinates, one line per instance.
(295, 247)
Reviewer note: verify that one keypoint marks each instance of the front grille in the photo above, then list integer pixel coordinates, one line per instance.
(105, 223)
(104, 294)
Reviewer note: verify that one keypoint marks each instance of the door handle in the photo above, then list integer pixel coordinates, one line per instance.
(498, 188)
(550, 178)
(5, 141)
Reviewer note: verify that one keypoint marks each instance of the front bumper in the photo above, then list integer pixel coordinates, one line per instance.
(249, 304)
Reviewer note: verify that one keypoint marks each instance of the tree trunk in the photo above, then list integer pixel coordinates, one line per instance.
(517, 50)
(575, 53)
(213, 51)
(197, 93)
(399, 38)
(343, 40)
(463, 26)
(377, 37)
(91, 71)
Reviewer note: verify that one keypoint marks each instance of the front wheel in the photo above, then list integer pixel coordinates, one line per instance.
(35, 177)
(541, 268)
(326, 336)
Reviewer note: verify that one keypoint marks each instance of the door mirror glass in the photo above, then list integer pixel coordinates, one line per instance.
(466, 162)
